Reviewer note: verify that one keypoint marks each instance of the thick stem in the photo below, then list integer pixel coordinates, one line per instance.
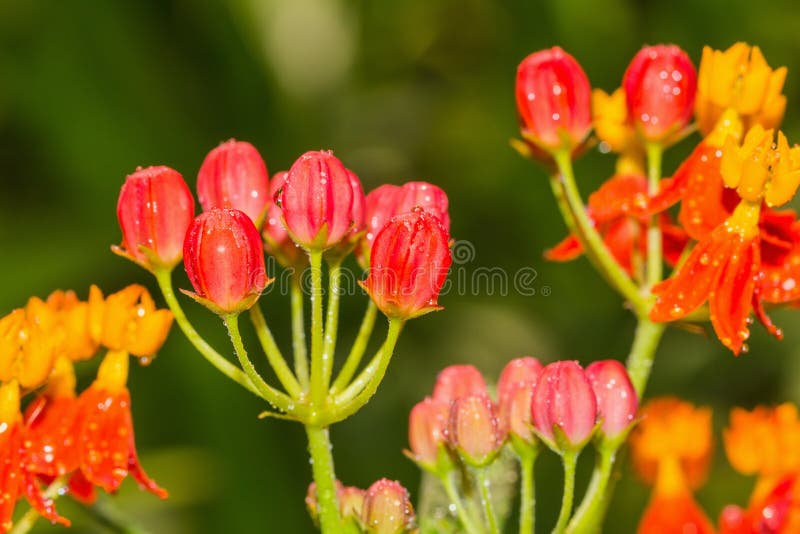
(331, 321)
(274, 356)
(361, 390)
(589, 516)
(265, 391)
(643, 351)
(164, 279)
(319, 446)
(27, 521)
(455, 499)
(587, 234)
(570, 459)
(654, 247)
(319, 389)
(299, 331)
(357, 352)
(527, 504)
(486, 502)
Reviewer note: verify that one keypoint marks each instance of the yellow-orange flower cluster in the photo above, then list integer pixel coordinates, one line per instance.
(88, 436)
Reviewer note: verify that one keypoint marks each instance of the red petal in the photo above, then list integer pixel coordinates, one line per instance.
(620, 195)
(731, 298)
(51, 434)
(674, 239)
(567, 250)
(694, 281)
(81, 489)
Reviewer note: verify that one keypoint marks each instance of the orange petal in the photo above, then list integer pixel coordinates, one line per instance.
(568, 249)
(671, 515)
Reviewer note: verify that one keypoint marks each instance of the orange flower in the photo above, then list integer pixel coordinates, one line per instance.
(128, 321)
(672, 448)
(76, 341)
(619, 211)
(104, 429)
(15, 479)
(725, 266)
(739, 79)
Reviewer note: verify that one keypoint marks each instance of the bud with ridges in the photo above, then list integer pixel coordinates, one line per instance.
(154, 210)
(617, 401)
(473, 430)
(456, 381)
(427, 428)
(564, 407)
(224, 260)
(387, 509)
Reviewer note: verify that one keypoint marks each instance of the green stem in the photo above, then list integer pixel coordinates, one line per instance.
(299, 331)
(265, 391)
(319, 446)
(106, 514)
(455, 499)
(643, 351)
(486, 501)
(654, 247)
(357, 352)
(331, 321)
(587, 234)
(164, 279)
(27, 521)
(319, 389)
(274, 356)
(589, 517)
(527, 513)
(361, 390)
(570, 459)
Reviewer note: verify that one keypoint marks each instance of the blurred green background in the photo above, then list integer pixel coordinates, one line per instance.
(401, 90)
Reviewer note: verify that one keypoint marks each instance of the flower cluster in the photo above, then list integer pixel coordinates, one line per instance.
(86, 439)
(672, 449)
(560, 404)
(730, 247)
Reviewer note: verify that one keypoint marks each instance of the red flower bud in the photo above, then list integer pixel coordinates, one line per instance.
(553, 100)
(564, 399)
(457, 381)
(616, 399)
(660, 86)
(525, 369)
(426, 430)
(388, 201)
(473, 429)
(387, 509)
(234, 176)
(408, 265)
(514, 410)
(154, 210)
(276, 239)
(224, 260)
(317, 201)
(345, 247)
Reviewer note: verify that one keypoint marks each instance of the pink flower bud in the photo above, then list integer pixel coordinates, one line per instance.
(525, 369)
(553, 100)
(473, 429)
(660, 86)
(514, 410)
(564, 399)
(426, 430)
(387, 509)
(317, 201)
(457, 381)
(234, 175)
(408, 266)
(154, 210)
(388, 201)
(276, 239)
(224, 260)
(616, 399)
(351, 501)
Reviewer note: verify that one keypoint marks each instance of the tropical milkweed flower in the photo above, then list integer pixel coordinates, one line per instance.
(672, 447)
(553, 101)
(739, 79)
(724, 268)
